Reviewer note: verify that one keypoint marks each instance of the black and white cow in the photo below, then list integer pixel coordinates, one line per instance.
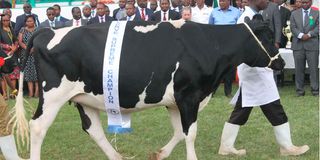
(176, 64)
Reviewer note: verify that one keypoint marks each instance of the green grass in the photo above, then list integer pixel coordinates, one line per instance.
(65, 139)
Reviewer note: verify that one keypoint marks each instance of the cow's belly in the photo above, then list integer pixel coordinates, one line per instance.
(97, 101)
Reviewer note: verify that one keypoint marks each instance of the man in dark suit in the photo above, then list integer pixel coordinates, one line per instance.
(93, 6)
(272, 14)
(77, 20)
(102, 14)
(20, 20)
(57, 11)
(86, 12)
(304, 24)
(165, 14)
(142, 12)
(153, 5)
(51, 22)
(176, 6)
(285, 16)
(131, 13)
(120, 12)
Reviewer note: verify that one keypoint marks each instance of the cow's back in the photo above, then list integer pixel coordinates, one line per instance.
(147, 62)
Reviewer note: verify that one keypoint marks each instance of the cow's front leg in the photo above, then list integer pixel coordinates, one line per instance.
(92, 125)
(188, 111)
(190, 138)
(178, 135)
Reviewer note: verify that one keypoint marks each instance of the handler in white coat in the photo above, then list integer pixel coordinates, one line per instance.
(257, 88)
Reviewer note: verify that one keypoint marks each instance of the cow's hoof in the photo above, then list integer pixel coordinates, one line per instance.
(154, 156)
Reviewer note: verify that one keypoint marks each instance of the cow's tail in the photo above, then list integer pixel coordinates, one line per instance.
(18, 121)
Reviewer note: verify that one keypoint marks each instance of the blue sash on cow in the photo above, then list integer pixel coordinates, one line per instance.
(117, 121)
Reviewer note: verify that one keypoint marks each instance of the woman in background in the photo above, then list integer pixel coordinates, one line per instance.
(30, 73)
(9, 45)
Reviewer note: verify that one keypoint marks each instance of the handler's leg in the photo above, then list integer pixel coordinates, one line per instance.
(239, 116)
(7, 142)
(278, 118)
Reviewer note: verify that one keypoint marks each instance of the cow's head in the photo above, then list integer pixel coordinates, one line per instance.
(264, 34)
(9, 63)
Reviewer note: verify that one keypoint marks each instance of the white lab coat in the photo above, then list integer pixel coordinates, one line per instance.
(257, 84)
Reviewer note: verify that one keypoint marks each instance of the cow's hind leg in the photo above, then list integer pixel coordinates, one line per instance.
(43, 118)
(92, 125)
(178, 135)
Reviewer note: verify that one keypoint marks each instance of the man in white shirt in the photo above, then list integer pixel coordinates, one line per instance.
(201, 13)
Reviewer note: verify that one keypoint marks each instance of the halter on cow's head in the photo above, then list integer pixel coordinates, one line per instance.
(265, 38)
(8, 63)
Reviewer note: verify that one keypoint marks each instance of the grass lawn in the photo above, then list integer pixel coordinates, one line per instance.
(65, 139)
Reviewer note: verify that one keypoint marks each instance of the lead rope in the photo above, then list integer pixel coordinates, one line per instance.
(260, 44)
(114, 140)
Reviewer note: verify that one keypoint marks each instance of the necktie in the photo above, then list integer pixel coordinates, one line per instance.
(77, 22)
(142, 14)
(128, 18)
(92, 13)
(164, 16)
(52, 24)
(306, 18)
(101, 20)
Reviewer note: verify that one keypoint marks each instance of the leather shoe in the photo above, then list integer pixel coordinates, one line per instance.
(300, 94)
(229, 95)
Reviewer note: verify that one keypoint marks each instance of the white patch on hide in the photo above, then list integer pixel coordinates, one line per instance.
(167, 99)
(178, 23)
(44, 83)
(204, 102)
(58, 35)
(145, 29)
(70, 90)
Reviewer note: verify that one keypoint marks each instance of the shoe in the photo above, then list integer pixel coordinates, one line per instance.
(315, 94)
(300, 94)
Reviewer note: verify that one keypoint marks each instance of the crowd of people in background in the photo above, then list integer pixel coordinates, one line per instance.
(14, 36)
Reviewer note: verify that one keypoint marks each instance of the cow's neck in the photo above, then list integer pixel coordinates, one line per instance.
(240, 47)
